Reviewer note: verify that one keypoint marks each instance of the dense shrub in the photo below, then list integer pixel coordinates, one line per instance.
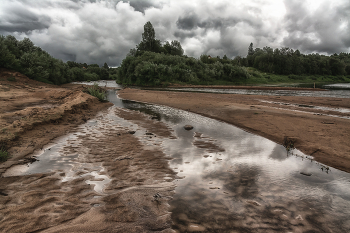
(98, 92)
(156, 68)
(37, 64)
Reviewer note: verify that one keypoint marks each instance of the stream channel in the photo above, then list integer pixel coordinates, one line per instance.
(229, 180)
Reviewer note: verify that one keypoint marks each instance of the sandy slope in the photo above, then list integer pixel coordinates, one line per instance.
(33, 114)
(324, 137)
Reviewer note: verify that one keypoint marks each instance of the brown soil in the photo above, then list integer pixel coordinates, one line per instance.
(313, 131)
(247, 87)
(33, 114)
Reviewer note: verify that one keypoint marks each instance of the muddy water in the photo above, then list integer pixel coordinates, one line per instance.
(234, 181)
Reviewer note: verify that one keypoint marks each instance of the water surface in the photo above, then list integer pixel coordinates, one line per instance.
(335, 93)
(230, 180)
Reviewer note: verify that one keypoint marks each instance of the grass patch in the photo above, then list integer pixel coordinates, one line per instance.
(11, 79)
(257, 77)
(98, 92)
(4, 155)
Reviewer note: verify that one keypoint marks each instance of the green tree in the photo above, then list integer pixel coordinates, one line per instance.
(250, 50)
(250, 57)
(149, 42)
(7, 59)
(26, 45)
(174, 48)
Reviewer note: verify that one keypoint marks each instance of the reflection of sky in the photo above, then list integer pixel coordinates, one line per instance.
(101, 83)
(251, 167)
(339, 85)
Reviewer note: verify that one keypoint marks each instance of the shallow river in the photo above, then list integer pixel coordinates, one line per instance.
(335, 93)
(230, 180)
(236, 180)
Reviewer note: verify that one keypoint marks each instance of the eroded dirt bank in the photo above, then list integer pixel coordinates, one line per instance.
(33, 113)
(313, 130)
(97, 177)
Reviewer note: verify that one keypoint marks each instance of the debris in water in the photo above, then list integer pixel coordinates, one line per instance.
(188, 127)
(123, 158)
(305, 173)
(3, 194)
(156, 197)
(289, 143)
(29, 160)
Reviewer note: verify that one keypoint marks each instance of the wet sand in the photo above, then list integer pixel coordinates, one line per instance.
(68, 199)
(60, 191)
(313, 131)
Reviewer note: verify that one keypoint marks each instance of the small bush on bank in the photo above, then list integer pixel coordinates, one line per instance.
(11, 79)
(3, 154)
(98, 92)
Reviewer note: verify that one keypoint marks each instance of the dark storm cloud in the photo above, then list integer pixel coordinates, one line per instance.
(184, 34)
(141, 6)
(322, 30)
(17, 18)
(216, 23)
(188, 22)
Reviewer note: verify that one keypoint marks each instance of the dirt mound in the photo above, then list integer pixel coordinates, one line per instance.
(33, 113)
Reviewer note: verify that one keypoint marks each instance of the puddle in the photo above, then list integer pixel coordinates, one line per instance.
(338, 86)
(246, 182)
(337, 110)
(341, 110)
(67, 155)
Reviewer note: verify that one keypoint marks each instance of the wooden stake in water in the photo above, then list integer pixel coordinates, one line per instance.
(314, 85)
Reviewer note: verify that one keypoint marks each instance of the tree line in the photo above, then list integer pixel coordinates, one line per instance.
(152, 63)
(286, 61)
(23, 56)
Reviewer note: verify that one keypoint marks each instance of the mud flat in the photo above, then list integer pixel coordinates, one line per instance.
(98, 178)
(316, 126)
(76, 165)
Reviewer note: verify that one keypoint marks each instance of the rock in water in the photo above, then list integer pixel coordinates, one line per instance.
(188, 127)
(305, 173)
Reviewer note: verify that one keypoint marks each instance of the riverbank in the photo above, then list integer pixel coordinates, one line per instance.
(247, 87)
(75, 165)
(322, 132)
(33, 113)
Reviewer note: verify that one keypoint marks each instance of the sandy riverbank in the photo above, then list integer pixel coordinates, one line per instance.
(62, 195)
(313, 130)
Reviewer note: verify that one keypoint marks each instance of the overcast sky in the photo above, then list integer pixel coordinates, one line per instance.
(98, 31)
